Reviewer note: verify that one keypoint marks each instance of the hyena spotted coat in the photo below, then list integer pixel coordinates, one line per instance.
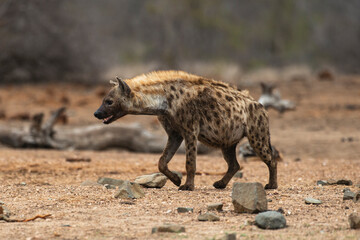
(193, 108)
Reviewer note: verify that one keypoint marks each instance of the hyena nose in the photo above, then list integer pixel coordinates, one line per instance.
(97, 114)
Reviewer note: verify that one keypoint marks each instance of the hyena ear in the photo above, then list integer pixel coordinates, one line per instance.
(123, 86)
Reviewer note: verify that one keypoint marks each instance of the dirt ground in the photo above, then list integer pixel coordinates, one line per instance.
(319, 140)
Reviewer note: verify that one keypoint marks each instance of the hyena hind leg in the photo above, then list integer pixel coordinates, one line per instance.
(233, 166)
(259, 140)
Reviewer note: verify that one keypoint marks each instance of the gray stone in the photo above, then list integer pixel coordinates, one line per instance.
(230, 236)
(314, 201)
(89, 183)
(334, 182)
(357, 197)
(215, 207)
(129, 190)
(238, 174)
(184, 209)
(208, 217)
(171, 228)
(108, 186)
(354, 221)
(270, 220)
(155, 180)
(110, 181)
(322, 182)
(348, 195)
(249, 197)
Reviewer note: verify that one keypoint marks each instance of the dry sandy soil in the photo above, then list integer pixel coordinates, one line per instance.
(320, 140)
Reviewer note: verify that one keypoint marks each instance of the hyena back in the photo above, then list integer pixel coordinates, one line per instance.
(193, 108)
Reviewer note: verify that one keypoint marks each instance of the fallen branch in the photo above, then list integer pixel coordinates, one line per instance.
(6, 219)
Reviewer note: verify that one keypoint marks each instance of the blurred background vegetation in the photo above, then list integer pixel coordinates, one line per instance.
(50, 40)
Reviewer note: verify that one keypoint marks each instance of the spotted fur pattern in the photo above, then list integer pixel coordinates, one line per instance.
(193, 108)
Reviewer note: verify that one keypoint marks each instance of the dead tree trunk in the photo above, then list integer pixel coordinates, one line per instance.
(132, 137)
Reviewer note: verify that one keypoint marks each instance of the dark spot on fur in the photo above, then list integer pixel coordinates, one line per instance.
(218, 122)
(177, 95)
(216, 132)
(201, 122)
(209, 128)
(219, 94)
(208, 118)
(181, 91)
(229, 98)
(250, 108)
(241, 111)
(188, 94)
(173, 88)
(216, 115)
(212, 106)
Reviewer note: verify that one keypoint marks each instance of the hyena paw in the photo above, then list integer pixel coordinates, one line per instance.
(219, 185)
(176, 180)
(186, 187)
(271, 186)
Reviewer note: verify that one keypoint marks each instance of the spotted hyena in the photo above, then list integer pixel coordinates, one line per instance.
(193, 108)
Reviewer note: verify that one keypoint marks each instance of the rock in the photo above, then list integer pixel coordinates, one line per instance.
(155, 180)
(108, 186)
(22, 184)
(354, 221)
(270, 220)
(89, 183)
(238, 174)
(334, 182)
(4, 211)
(357, 197)
(184, 209)
(314, 201)
(230, 236)
(348, 195)
(215, 207)
(322, 182)
(172, 228)
(208, 217)
(249, 197)
(110, 181)
(344, 182)
(129, 190)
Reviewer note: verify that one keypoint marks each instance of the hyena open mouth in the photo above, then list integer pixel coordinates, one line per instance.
(107, 120)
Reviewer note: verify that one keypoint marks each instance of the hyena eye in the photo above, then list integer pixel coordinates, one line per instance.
(109, 102)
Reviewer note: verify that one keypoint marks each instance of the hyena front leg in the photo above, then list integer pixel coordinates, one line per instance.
(191, 149)
(233, 166)
(173, 144)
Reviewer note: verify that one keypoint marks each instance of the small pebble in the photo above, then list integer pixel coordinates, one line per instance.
(215, 207)
(171, 228)
(312, 201)
(184, 209)
(208, 217)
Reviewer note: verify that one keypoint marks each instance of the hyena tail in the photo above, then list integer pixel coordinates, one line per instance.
(258, 134)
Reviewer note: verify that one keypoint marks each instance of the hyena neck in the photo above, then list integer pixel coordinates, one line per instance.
(149, 104)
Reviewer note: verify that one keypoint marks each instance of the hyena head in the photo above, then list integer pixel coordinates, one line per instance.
(116, 103)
